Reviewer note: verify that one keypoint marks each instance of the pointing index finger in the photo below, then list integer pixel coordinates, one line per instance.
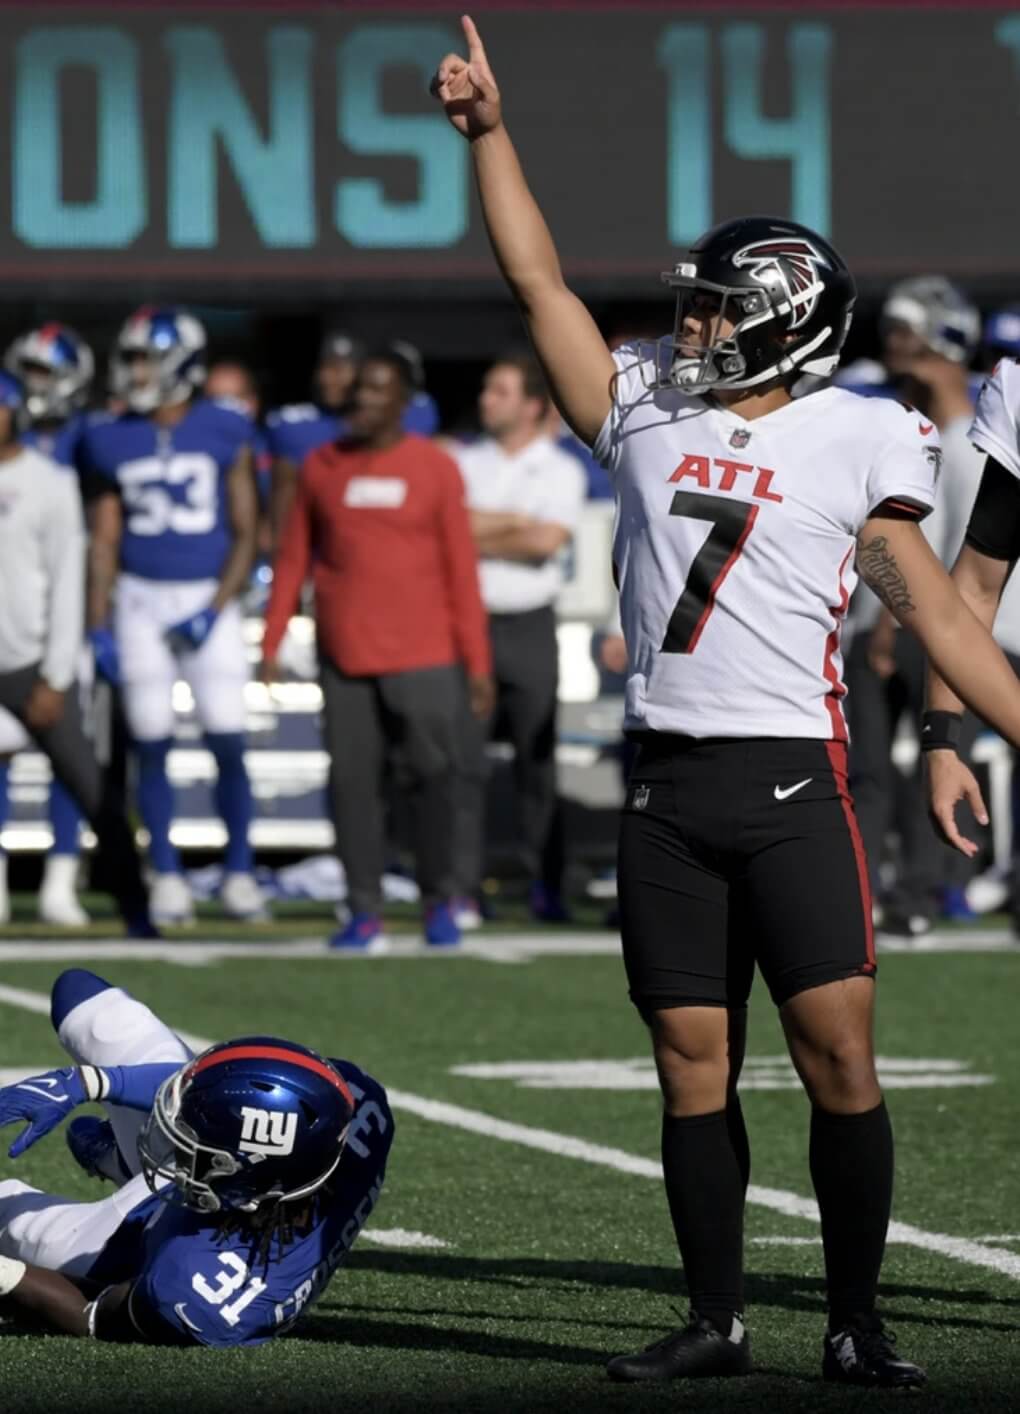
(476, 49)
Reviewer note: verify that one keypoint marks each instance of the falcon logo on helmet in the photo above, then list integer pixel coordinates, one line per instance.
(759, 300)
(793, 266)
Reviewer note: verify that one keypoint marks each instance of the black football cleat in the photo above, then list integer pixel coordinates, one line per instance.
(695, 1352)
(864, 1353)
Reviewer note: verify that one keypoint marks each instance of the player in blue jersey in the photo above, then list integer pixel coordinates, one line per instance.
(298, 428)
(173, 517)
(245, 1175)
(55, 368)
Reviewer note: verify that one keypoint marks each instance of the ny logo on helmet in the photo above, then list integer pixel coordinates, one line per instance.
(267, 1132)
(790, 264)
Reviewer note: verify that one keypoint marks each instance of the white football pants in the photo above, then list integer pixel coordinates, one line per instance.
(60, 1234)
(216, 673)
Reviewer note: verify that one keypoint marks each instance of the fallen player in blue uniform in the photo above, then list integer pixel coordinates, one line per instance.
(244, 1177)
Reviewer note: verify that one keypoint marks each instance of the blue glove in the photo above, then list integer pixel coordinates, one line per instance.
(44, 1100)
(104, 650)
(191, 633)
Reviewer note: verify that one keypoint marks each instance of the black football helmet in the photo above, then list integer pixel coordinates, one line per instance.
(788, 294)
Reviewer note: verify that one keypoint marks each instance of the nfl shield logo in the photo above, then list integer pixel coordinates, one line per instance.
(641, 794)
(740, 437)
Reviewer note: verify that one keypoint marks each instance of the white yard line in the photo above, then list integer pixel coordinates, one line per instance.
(496, 947)
(402, 1238)
(778, 1200)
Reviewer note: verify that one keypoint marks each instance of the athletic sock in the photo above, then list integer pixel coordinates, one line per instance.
(705, 1188)
(65, 818)
(738, 1138)
(156, 803)
(232, 794)
(852, 1171)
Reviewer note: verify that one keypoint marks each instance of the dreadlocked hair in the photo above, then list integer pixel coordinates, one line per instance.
(277, 1223)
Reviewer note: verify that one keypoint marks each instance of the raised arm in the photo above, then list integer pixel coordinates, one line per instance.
(569, 346)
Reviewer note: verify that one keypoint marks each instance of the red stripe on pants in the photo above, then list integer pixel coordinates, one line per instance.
(838, 761)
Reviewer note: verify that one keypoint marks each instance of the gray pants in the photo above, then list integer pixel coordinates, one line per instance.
(408, 720)
(525, 664)
(73, 761)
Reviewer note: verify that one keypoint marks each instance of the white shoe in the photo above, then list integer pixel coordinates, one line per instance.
(242, 899)
(170, 901)
(5, 898)
(58, 903)
(467, 915)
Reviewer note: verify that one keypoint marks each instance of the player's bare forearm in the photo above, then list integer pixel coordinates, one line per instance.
(52, 1298)
(980, 582)
(244, 514)
(566, 339)
(102, 575)
(894, 558)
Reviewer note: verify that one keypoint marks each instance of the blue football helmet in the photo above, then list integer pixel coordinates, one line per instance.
(158, 359)
(56, 367)
(248, 1122)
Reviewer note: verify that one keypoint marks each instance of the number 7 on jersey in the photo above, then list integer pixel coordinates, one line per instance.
(731, 522)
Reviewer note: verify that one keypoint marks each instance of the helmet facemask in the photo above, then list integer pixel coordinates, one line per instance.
(181, 1169)
(761, 347)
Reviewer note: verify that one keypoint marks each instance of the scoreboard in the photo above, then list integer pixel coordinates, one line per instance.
(250, 148)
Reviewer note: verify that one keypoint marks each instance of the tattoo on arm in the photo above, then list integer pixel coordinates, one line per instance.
(878, 568)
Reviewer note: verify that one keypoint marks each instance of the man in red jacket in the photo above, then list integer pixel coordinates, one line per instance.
(379, 522)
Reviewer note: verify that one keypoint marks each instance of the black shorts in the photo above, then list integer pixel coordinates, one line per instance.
(736, 852)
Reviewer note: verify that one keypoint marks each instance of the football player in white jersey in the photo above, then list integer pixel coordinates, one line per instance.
(991, 548)
(739, 514)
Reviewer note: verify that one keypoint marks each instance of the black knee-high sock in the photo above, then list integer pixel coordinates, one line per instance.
(705, 1187)
(852, 1171)
(738, 1138)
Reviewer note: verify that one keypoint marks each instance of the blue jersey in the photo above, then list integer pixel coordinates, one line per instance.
(294, 431)
(59, 441)
(172, 482)
(194, 1285)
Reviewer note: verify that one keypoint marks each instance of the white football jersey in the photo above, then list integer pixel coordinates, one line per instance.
(734, 548)
(996, 425)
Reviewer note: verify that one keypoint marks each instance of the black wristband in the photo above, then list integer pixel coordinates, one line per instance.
(940, 731)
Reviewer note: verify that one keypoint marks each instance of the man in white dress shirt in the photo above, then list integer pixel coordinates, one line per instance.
(525, 497)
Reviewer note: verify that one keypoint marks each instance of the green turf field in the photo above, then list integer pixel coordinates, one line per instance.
(553, 1261)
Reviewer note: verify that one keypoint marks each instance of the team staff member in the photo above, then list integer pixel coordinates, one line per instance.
(299, 428)
(42, 590)
(525, 497)
(380, 523)
(739, 513)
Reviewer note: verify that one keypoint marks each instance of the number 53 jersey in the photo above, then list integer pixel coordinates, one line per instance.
(172, 484)
(734, 548)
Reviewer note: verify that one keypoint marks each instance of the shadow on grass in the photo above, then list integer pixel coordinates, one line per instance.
(781, 1290)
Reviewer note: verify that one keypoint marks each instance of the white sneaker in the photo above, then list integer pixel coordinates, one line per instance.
(242, 899)
(58, 903)
(170, 901)
(5, 898)
(467, 915)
